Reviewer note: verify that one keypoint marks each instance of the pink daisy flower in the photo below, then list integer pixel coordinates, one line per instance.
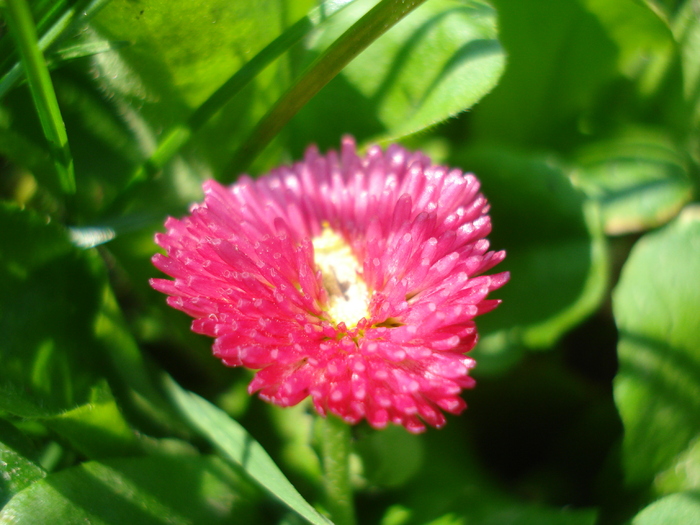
(351, 279)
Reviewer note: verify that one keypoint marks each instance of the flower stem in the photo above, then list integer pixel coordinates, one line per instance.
(335, 455)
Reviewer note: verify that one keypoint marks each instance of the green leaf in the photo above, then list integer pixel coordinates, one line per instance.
(640, 179)
(644, 39)
(684, 472)
(17, 471)
(182, 52)
(327, 65)
(559, 60)
(139, 491)
(452, 489)
(435, 63)
(686, 29)
(239, 447)
(657, 389)
(676, 509)
(180, 135)
(71, 20)
(49, 296)
(554, 246)
(96, 429)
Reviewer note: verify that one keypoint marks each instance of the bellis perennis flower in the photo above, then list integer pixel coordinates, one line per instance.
(353, 280)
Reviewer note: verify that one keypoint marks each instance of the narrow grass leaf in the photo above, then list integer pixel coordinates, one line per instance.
(240, 447)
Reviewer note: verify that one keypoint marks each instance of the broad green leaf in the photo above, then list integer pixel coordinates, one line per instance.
(182, 52)
(435, 63)
(657, 389)
(559, 59)
(171, 143)
(138, 491)
(677, 509)
(640, 179)
(17, 470)
(240, 447)
(49, 296)
(554, 249)
(644, 39)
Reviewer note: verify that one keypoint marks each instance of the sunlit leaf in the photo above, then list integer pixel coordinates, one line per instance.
(240, 447)
(17, 470)
(182, 52)
(686, 29)
(657, 389)
(435, 63)
(677, 509)
(97, 429)
(640, 179)
(147, 490)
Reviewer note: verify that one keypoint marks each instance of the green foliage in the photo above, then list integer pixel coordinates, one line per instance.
(658, 385)
(580, 118)
(676, 509)
(237, 445)
(148, 490)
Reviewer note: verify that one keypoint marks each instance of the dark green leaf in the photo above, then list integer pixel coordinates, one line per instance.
(644, 39)
(391, 457)
(554, 246)
(657, 389)
(559, 59)
(240, 447)
(452, 489)
(138, 491)
(49, 296)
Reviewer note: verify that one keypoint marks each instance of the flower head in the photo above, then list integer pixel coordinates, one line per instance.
(353, 280)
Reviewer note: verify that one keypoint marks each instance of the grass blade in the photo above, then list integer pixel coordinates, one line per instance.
(70, 21)
(350, 44)
(19, 18)
(240, 447)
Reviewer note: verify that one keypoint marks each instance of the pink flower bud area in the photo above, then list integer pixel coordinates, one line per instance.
(351, 279)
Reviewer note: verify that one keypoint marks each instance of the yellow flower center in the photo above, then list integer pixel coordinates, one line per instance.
(348, 297)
